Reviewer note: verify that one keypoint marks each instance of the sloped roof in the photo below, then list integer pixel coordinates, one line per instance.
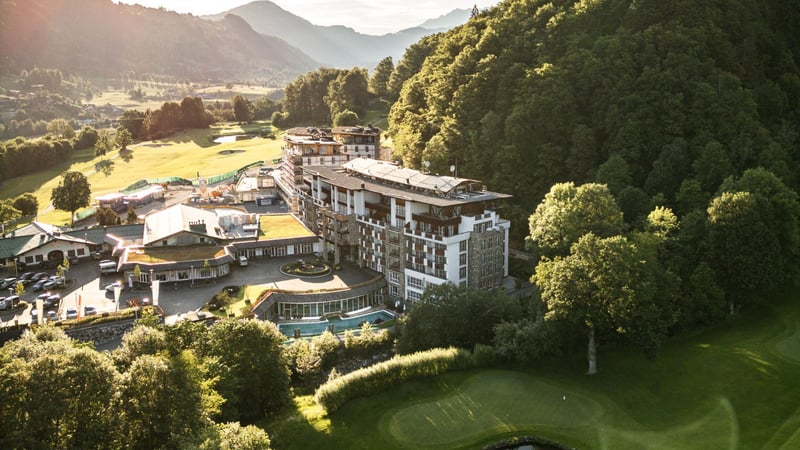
(178, 218)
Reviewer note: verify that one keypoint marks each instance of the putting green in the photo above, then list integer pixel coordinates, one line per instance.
(493, 401)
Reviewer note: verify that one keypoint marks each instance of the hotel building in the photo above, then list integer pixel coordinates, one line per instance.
(415, 228)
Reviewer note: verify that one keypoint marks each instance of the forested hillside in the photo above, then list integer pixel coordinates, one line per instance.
(660, 100)
(100, 38)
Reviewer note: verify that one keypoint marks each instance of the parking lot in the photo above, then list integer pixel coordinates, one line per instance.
(85, 287)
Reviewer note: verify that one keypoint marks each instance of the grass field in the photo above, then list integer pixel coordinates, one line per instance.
(736, 387)
(123, 100)
(182, 155)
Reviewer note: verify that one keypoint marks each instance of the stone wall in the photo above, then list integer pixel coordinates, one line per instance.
(100, 334)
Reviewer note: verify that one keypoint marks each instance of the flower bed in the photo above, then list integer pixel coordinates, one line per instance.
(303, 268)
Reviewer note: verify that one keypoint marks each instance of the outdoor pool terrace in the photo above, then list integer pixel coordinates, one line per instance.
(339, 324)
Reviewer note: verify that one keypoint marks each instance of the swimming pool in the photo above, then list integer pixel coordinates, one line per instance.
(339, 324)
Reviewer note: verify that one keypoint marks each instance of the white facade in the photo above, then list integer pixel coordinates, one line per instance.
(416, 236)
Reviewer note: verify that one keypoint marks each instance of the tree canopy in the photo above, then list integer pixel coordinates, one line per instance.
(72, 193)
(645, 94)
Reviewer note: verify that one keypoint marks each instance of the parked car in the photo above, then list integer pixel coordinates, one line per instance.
(27, 276)
(110, 287)
(89, 310)
(7, 282)
(52, 300)
(14, 300)
(38, 276)
(34, 315)
(72, 313)
(74, 259)
(52, 316)
(39, 285)
(4, 305)
(54, 282)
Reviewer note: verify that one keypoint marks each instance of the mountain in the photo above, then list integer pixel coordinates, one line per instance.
(452, 19)
(335, 46)
(100, 38)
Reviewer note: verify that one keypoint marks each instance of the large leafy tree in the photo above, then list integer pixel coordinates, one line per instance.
(379, 81)
(56, 394)
(744, 248)
(348, 92)
(568, 212)
(242, 109)
(254, 378)
(72, 193)
(606, 286)
(450, 315)
(27, 204)
(159, 402)
(104, 143)
(123, 138)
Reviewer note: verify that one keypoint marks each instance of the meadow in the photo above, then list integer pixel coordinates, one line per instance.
(734, 387)
(184, 154)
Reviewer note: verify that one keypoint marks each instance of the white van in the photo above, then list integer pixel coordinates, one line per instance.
(108, 267)
(243, 261)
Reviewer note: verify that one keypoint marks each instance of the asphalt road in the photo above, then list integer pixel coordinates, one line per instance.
(85, 286)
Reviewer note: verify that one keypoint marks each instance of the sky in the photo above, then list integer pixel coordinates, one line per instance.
(365, 16)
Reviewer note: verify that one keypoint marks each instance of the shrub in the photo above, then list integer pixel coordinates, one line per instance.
(382, 376)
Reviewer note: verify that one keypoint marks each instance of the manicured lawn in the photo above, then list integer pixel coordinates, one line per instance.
(160, 255)
(182, 155)
(280, 226)
(733, 387)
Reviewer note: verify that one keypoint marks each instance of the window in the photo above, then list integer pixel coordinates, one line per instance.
(462, 259)
(400, 211)
(29, 259)
(80, 252)
(70, 252)
(164, 243)
(394, 277)
(394, 291)
(462, 246)
(202, 240)
(39, 258)
(414, 296)
(462, 273)
(416, 283)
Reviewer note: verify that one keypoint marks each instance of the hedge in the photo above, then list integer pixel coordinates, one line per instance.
(382, 376)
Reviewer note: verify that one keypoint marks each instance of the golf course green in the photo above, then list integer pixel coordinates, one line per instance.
(736, 386)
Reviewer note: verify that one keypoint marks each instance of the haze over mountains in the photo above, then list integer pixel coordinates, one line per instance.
(257, 41)
(338, 46)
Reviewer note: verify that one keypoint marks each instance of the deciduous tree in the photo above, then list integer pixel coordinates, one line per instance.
(605, 286)
(72, 193)
(568, 212)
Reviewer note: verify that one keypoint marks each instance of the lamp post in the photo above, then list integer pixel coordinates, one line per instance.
(16, 267)
(117, 292)
(191, 274)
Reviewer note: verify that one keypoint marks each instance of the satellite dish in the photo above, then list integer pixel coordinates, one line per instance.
(452, 169)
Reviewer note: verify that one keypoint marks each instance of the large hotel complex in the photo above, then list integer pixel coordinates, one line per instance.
(415, 228)
(405, 228)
